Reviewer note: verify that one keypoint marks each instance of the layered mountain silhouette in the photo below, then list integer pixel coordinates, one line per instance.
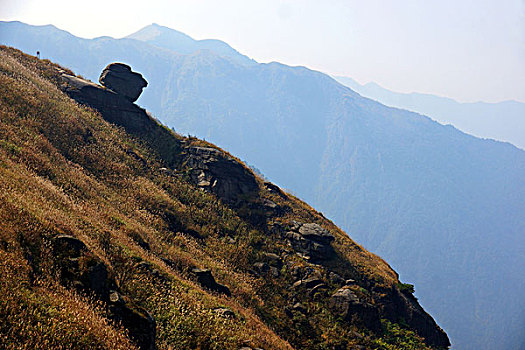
(502, 121)
(443, 207)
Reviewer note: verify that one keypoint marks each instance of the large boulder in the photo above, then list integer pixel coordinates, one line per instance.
(311, 241)
(119, 78)
(81, 268)
(206, 279)
(347, 305)
(316, 233)
(217, 172)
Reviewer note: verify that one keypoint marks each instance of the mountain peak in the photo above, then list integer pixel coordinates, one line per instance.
(154, 31)
(179, 42)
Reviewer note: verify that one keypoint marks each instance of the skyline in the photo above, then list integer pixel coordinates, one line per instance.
(471, 51)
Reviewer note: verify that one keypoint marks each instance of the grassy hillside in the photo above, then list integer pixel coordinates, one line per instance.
(99, 241)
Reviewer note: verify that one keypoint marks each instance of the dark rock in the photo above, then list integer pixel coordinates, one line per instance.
(310, 241)
(217, 172)
(113, 107)
(268, 204)
(140, 324)
(94, 278)
(399, 306)
(312, 282)
(316, 233)
(346, 304)
(308, 249)
(69, 245)
(118, 110)
(206, 279)
(119, 78)
(261, 268)
(274, 259)
(335, 278)
(273, 188)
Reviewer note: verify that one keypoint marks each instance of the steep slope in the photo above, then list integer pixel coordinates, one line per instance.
(118, 233)
(445, 208)
(503, 121)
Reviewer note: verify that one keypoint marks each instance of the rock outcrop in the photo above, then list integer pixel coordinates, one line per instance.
(311, 241)
(119, 78)
(215, 171)
(206, 279)
(347, 305)
(209, 168)
(80, 268)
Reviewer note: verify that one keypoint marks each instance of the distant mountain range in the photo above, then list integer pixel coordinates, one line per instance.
(443, 207)
(502, 121)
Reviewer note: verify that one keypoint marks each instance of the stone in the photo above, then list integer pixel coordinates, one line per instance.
(273, 188)
(93, 277)
(72, 245)
(119, 78)
(96, 278)
(335, 278)
(268, 204)
(312, 282)
(215, 171)
(342, 301)
(139, 323)
(206, 279)
(316, 233)
(310, 241)
(346, 304)
(261, 267)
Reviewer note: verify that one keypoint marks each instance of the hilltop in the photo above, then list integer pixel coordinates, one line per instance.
(119, 233)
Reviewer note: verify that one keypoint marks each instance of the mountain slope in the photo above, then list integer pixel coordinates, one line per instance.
(445, 208)
(118, 233)
(503, 121)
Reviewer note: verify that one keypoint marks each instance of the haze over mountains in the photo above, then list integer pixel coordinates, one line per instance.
(443, 207)
(502, 121)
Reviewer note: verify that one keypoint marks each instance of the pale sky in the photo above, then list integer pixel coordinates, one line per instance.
(469, 50)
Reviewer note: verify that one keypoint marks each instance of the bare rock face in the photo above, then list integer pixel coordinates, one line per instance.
(93, 277)
(119, 78)
(214, 171)
(311, 241)
(346, 304)
(206, 279)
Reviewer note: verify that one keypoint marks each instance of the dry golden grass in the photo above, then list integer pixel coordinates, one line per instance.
(64, 170)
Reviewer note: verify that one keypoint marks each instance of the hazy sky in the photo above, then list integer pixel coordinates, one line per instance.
(466, 49)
